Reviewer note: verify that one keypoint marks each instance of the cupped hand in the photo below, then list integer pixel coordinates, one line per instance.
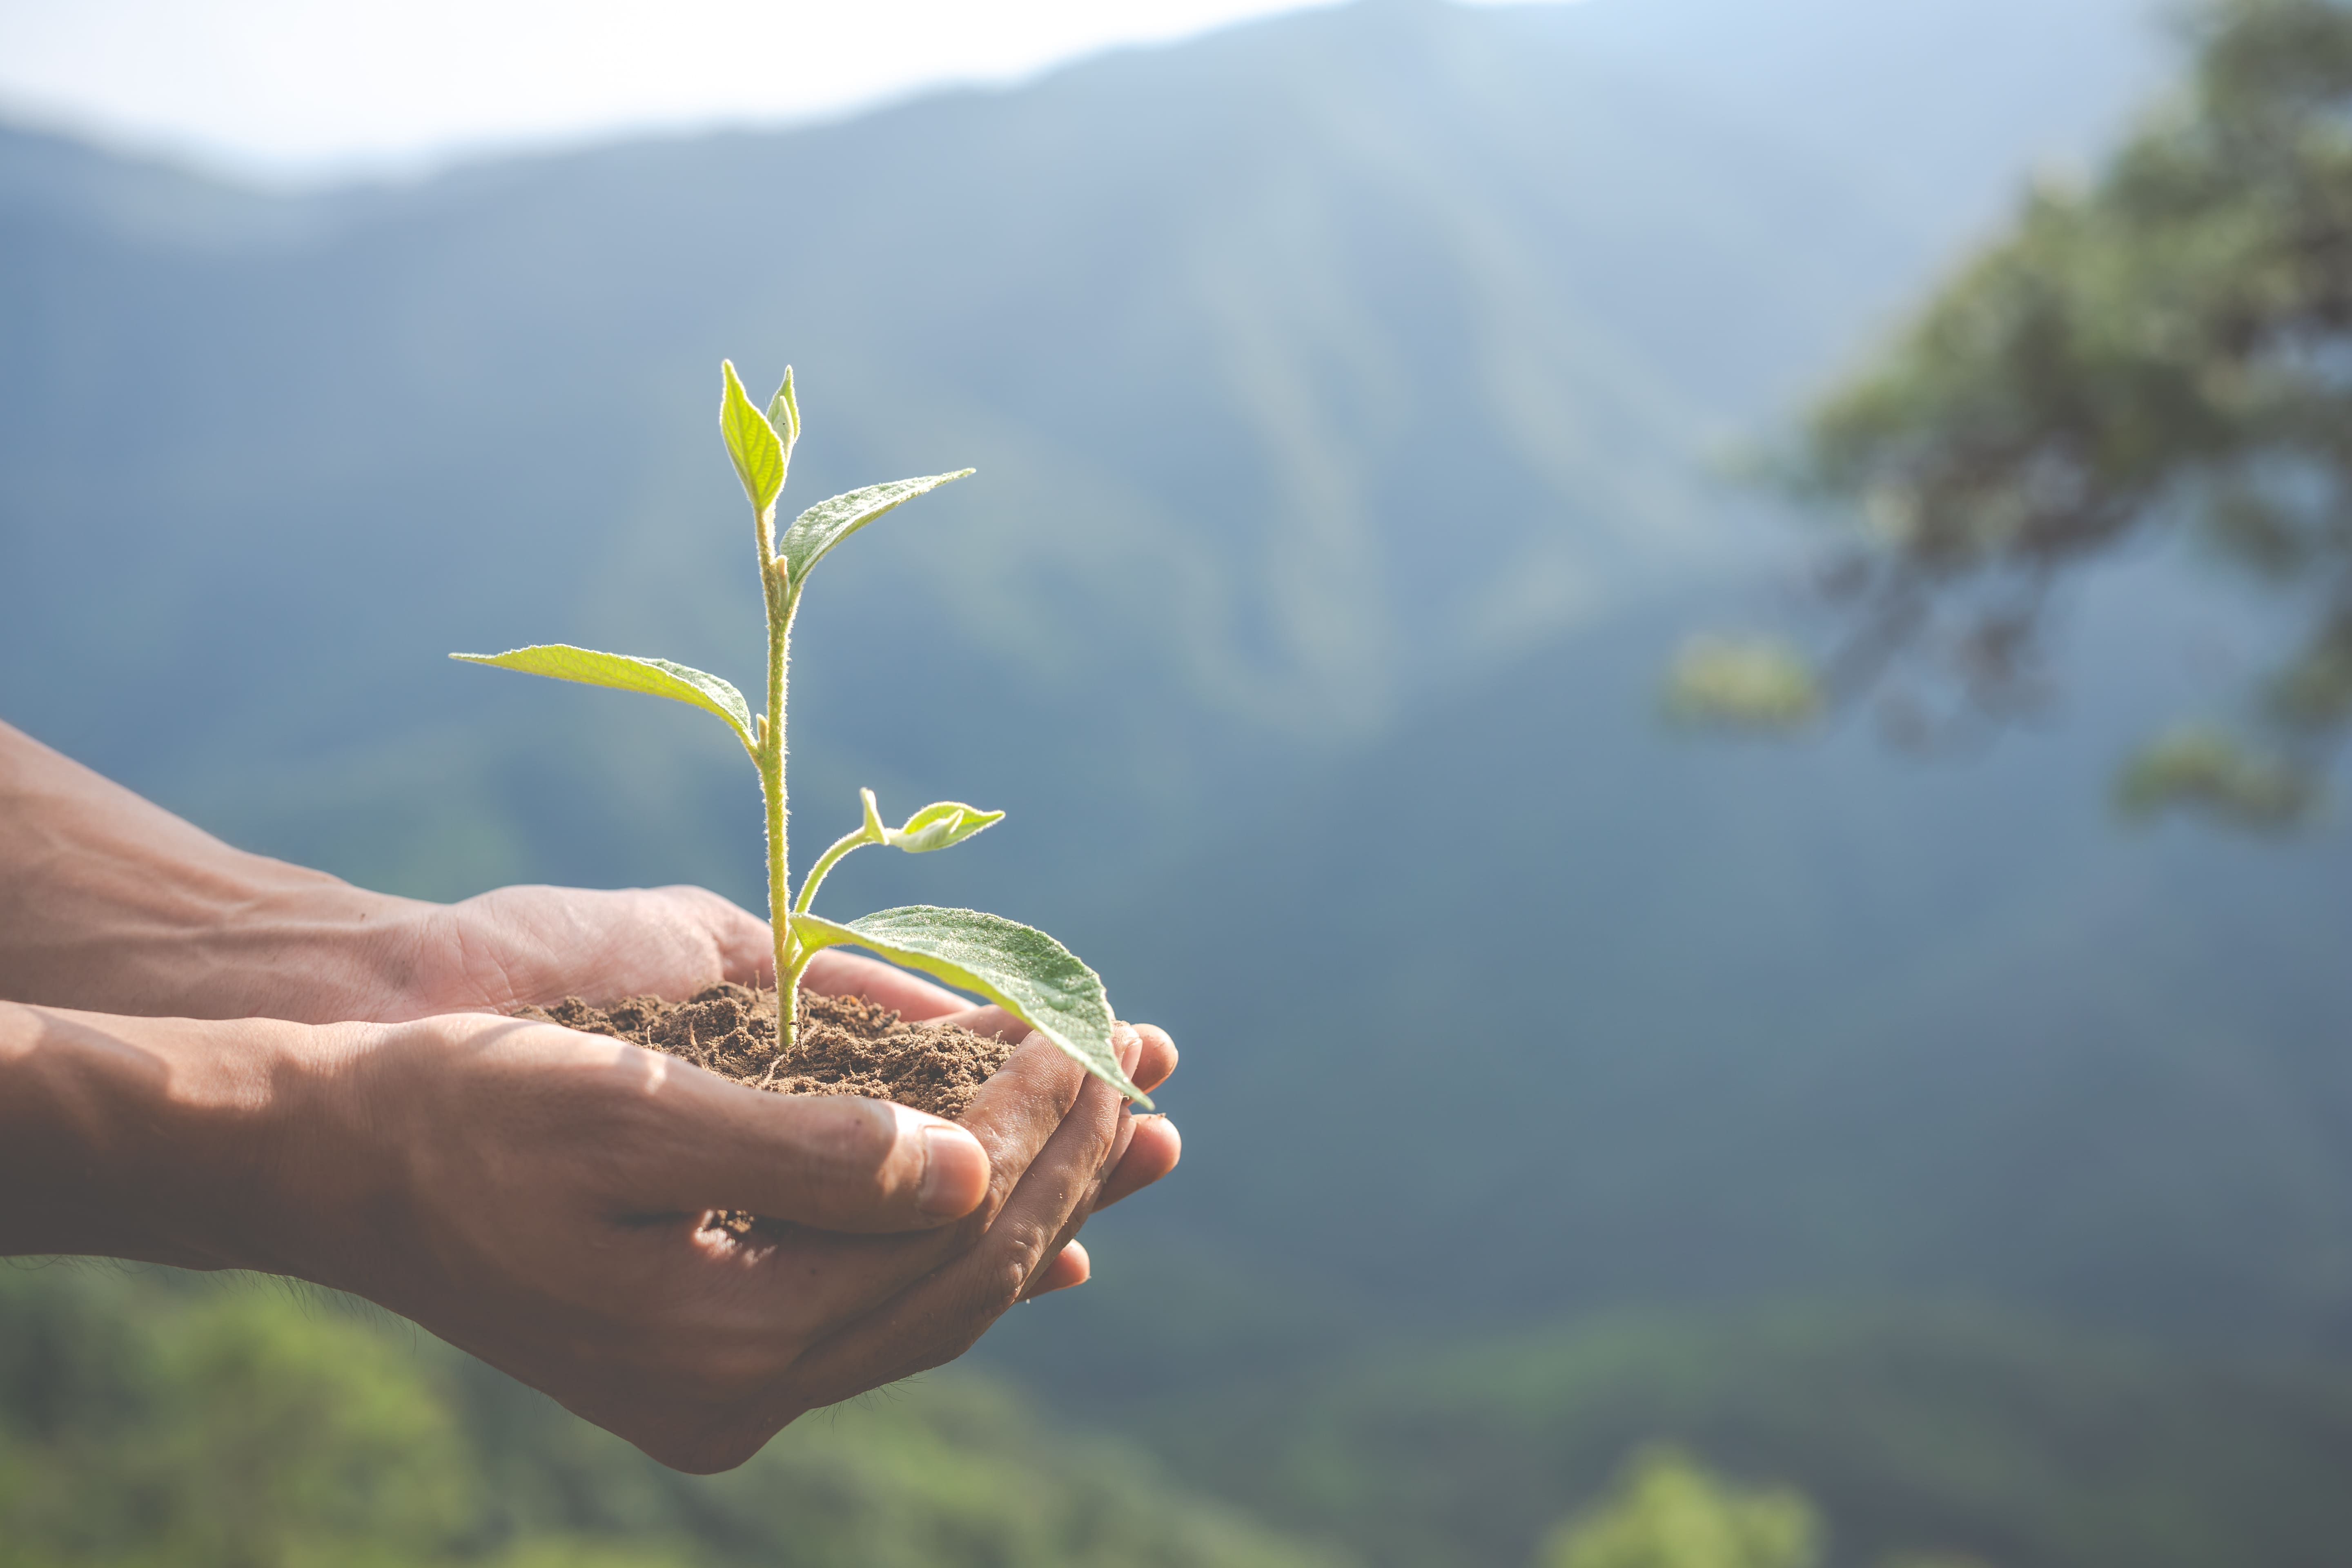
(542, 1199)
(515, 945)
(540, 944)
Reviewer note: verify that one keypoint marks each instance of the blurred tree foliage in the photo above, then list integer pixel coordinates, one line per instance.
(1668, 1511)
(1742, 683)
(2166, 350)
(151, 1420)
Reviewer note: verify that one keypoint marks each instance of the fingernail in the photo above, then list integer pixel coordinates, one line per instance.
(955, 1172)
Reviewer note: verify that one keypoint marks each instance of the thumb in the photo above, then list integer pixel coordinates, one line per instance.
(835, 1162)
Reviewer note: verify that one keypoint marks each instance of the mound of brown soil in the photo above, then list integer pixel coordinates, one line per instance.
(846, 1045)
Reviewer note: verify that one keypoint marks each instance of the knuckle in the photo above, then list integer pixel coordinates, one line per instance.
(1000, 1290)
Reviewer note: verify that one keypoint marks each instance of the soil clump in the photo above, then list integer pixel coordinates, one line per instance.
(845, 1045)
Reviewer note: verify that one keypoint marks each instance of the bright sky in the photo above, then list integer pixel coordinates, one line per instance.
(300, 90)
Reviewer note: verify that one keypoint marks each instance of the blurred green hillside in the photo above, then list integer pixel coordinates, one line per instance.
(148, 1419)
(1349, 394)
(1994, 1439)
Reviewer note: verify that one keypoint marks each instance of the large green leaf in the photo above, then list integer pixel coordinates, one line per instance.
(656, 677)
(829, 523)
(1021, 969)
(757, 450)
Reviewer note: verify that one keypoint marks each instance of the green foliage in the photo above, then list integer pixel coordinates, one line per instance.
(936, 827)
(827, 524)
(1910, 1430)
(1756, 684)
(655, 677)
(755, 444)
(1669, 1512)
(2199, 769)
(1026, 972)
(224, 1432)
(2163, 349)
(153, 1420)
(1021, 969)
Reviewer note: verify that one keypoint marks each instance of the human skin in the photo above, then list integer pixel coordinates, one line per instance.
(217, 1060)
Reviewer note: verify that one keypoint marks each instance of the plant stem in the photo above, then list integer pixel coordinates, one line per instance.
(780, 602)
(854, 838)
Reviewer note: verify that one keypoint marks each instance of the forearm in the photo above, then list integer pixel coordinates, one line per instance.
(168, 1140)
(110, 903)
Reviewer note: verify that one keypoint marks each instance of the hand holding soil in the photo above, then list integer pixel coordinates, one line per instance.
(540, 1196)
(544, 1198)
(889, 1240)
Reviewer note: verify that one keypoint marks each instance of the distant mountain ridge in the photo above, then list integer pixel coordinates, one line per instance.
(1373, 344)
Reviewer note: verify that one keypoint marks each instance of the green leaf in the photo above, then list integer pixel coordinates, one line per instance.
(785, 414)
(1023, 970)
(939, 825)
(656, 677)
(829, 523)
(752, 442)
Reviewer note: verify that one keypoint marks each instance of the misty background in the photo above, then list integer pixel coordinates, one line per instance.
(1359, 399)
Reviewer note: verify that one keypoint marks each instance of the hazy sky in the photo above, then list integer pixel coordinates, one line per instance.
(300, 88)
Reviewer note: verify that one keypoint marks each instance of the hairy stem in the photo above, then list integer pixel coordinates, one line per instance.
(780, 602)
(842, 845)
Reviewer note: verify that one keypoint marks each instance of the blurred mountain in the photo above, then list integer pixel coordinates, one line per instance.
(1538, 1007)
(1312, 369)
(1348, 393)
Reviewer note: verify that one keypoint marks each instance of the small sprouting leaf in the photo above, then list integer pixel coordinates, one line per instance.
(829, 523)
(939, 825)
(1021, 969)
(785, 414)
(656, 677)
(753, 444)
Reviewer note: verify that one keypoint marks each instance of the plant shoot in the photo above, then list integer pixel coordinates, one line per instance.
(1023, 970)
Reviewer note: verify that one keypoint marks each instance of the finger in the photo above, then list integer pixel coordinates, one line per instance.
(843, 1279)
(992, 1022)
(1152, 1151)
(1084, 1210)
(1069, 1267)
(939, 1318)
(833, 972)
(1105, 1156)
(838, 1163)
(1158, 1059)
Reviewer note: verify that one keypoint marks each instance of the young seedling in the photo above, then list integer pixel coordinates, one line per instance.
(1023, 970)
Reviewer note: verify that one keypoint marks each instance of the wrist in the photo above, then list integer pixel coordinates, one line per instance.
(111, 904)
(173, 1140)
